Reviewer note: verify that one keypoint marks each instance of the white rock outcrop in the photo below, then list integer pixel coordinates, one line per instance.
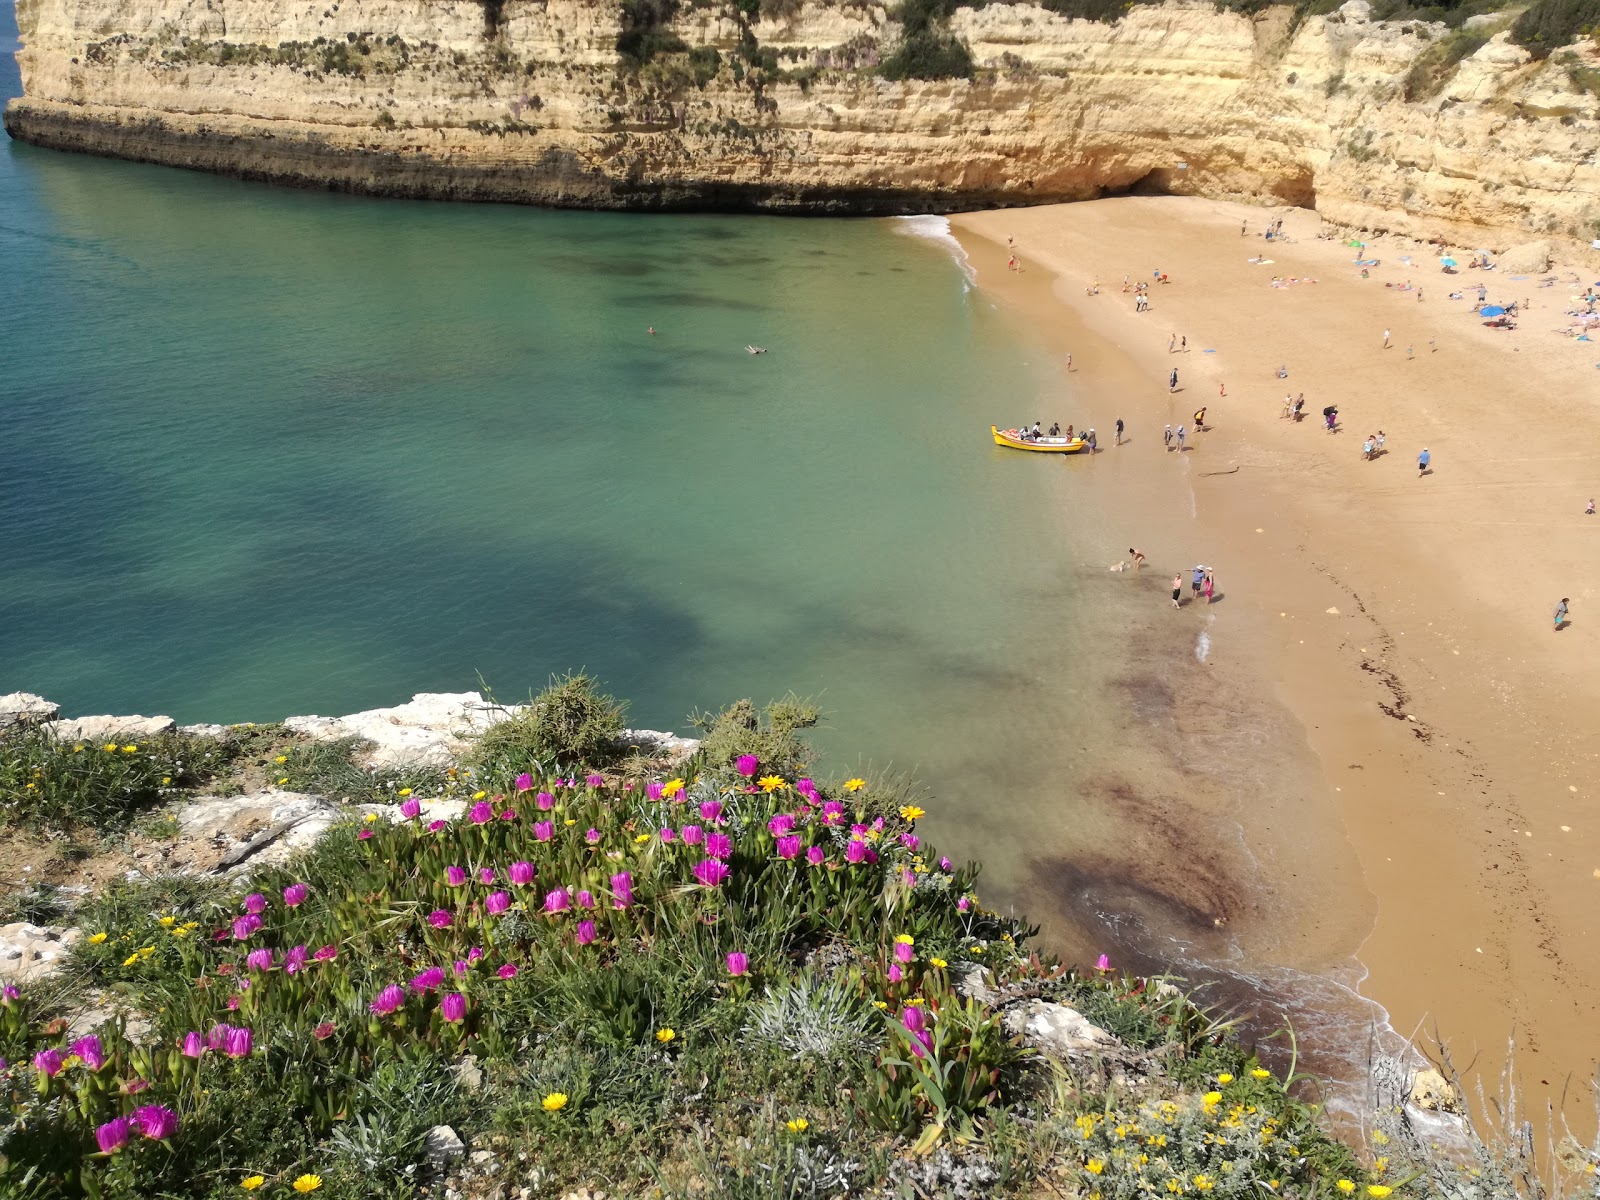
(29, 952)
(1057, 1029)
(24, 708)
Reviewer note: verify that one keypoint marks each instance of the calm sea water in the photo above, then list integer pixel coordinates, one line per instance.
(269, 452)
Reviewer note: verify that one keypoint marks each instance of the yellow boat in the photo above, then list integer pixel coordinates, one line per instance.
(1042, 445)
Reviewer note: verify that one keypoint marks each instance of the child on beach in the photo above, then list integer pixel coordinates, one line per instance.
(1589, 512)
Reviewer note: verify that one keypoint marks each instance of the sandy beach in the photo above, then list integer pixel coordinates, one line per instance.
(1403, 618)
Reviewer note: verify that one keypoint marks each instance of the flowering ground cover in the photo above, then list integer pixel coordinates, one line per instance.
(734, 981)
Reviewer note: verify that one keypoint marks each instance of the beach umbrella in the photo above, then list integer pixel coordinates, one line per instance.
(1449, 262)
(1491, 310)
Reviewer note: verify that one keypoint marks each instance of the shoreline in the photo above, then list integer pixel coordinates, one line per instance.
(1379, 657)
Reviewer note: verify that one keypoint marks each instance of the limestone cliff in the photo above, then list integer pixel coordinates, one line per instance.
(530, 100)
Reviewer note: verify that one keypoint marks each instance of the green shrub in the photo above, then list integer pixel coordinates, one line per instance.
(51, 783)
(1551, 24)
(1436, 64)
(704, 63)
(572, 723)
(929, 55)
(329, 769)
(772, 735)
(643, 36)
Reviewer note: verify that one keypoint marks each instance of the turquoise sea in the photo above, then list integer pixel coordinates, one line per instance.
(270, 452)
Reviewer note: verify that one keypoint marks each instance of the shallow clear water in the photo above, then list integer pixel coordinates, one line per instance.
(272, 451)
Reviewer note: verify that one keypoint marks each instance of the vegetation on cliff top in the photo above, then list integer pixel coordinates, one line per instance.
(736, 980)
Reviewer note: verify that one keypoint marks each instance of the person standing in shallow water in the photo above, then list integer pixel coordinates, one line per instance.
(1119, 439)
(1561, 612)
(1166, 437)
(1172, 380)
(1137, 556)
(1177, 591)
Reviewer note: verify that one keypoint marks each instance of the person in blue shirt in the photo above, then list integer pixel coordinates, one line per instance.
(1423, 460)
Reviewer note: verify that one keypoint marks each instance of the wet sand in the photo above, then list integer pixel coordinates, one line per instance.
(1383, 711)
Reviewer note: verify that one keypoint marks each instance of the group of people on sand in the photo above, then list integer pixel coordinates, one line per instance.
(1202, 582)
(1373, 446)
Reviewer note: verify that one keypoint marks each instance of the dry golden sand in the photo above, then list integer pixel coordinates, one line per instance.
(1405, 620)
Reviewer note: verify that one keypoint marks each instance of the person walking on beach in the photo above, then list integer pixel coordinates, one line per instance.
(1172, 380)
(1200, 417)
(1423, 460)
(1368, 446)
(1377, 443)
(1561, 612)
(1211, 584)
(1166, 437)
(1119, 438)
(1385, 339)
(1137, 556)
(1172, 344)
(1180, 435)
(1197, 581)
(1589, 512)
(1177, 591)
(1069, 362)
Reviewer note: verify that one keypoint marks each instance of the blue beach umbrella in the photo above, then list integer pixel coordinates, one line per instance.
(1491, 310)
(1449, 262)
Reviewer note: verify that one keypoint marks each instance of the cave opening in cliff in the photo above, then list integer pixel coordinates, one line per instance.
(1153, 183)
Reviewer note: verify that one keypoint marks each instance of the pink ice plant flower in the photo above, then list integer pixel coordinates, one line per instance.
(692, 835)
(365, 834)
(544, 830)
(964, 904)
(439, 918)
(621, 890)
(90, 1050)
(430, 979)
(856, 851)
(910, 841)
(255, 902)
(481, 813)
(411, 808)
(433, 827)
(520, 873)
(585, 899)
(238, 1043)
(113, 1135)
(709, 872)
(719, 846)
(711, 810)
(497, 903)
(653, 789)
(904, 952)
(325, 953)
(591, 835)
(738, 963)
(816, 856)
(559, 900)
(586, 933)
(667, 835)
(485, 875)
(194, 1046)
(916, 1024)
(388, 1001)
(245, 926)
(295, 894)
(525, 782)
(156, 1121)
(788, 845)
(895, 973)
(453, 1007)
(295, 960)
(545, 801)
(595, 781)
(507, 971)
(48, 1062)
(1103, 963)
(747, 765)
(259, 960)
(455, 876)
(780, 824)
(832, 812)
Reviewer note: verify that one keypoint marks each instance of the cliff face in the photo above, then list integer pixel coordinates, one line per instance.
(528, 100)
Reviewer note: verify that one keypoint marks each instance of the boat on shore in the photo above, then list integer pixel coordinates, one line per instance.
(1042, 445)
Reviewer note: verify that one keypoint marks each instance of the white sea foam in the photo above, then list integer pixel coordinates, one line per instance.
(937, 229)
(1202, 645)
